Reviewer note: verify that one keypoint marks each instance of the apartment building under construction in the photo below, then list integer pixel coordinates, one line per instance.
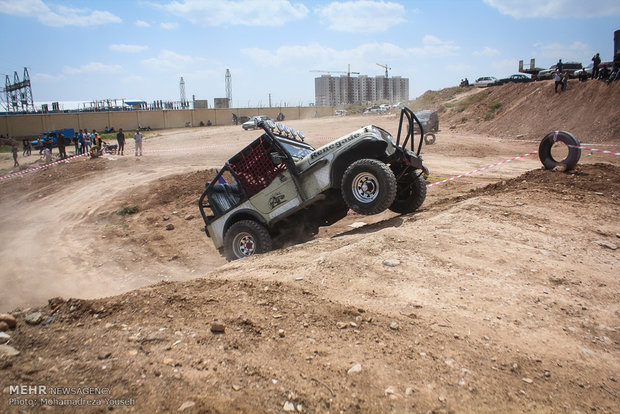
(344, 90)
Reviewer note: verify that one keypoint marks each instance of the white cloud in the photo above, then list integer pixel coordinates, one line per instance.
(92, 67)
(521, 9)
(324, 58)
(142, 23)
(242, 12)
(169, 60)
(363, 16)
(57, 16)
(168, 25)
(123, 48)
(487, 51)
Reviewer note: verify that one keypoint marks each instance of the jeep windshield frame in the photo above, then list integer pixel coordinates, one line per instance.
(295, 149)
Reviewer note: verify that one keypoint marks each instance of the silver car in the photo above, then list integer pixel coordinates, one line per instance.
(253, 122)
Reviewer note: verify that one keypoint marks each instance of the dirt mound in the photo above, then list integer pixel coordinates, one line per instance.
(531, 110)
(463, 329)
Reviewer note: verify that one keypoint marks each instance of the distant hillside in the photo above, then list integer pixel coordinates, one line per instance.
(588, 110)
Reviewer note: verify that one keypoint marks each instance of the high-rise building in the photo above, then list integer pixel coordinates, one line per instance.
(343, 90)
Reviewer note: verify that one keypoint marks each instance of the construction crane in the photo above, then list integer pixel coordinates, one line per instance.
(349, 86)
(348, 72)
(386, 69)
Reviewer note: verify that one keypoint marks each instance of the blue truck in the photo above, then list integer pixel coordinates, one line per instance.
(51, 137)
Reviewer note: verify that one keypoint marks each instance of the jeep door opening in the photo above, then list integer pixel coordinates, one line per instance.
(280, 190)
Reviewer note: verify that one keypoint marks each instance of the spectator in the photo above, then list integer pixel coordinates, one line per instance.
(14, 151)
(137, 137)
(560, 66)
(48, 155)
(120, 138)
(596, 60)
(61, 145)
(76, 142)
(96, 138)
(87, 141)
(81, 142)
(583, 76)
(615, 75)
(558, 80)
(27, 147)
(564, 81)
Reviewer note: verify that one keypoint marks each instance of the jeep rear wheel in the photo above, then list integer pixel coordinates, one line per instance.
(410, 194)
(368, 186)
(246, 238)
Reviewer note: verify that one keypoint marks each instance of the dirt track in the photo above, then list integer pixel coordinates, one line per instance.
(503, 297)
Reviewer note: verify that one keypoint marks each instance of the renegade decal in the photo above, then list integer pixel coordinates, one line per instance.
(333, 145)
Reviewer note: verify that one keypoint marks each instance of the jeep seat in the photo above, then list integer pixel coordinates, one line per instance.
(223, 197)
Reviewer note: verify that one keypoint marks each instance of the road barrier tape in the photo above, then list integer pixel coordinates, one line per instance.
(481, 169)
(130, 149)
(595, 150)
(40, 167)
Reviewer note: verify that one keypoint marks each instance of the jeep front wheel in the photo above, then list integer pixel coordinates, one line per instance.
(410, 194)
(368, 186)
(246, 238)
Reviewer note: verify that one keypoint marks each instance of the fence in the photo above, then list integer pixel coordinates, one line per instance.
(31, 125)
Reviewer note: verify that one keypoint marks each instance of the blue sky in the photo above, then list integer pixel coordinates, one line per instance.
(80, 50)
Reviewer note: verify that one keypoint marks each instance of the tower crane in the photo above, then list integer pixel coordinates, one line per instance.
(386, 69)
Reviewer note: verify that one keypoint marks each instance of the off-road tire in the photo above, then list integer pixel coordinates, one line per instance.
(368, 186)
(574, 152)
(246, 238)
(429, 138)
(410, 194)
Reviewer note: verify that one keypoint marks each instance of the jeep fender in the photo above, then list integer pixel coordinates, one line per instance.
(244, 214)
(368, 148)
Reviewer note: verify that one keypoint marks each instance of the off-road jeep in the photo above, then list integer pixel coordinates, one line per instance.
(279, 189)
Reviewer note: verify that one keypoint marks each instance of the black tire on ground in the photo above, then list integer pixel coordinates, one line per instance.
(410, 194)
(574, 153)
(368, 187)
(429, 138)
(246, 238)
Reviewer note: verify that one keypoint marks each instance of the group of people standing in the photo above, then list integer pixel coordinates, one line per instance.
(84, 141)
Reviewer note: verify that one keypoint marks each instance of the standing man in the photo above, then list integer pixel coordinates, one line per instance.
(137, 137)
(596, 60)
(560, 66)
(14, 151)
(120, 138)
(61, 145)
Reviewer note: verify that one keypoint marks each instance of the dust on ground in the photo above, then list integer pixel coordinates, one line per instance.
(499, 295)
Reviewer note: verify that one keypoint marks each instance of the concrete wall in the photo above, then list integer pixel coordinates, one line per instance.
(32, 125)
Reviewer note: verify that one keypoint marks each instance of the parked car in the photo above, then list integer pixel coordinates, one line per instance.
(253, 122)
(340, 112)
(486, 81)
(516, 78)
(605, 69)
(51, 138)
(569, 67)
(588, 69)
